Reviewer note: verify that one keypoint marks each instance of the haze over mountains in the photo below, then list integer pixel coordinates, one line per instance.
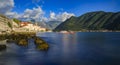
(98, 20)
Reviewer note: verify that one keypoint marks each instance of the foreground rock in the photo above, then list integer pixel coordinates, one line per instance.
(3, 47)
(10, 41)
(21, 39)
(40, 44)
(22, 42)
(38, 41)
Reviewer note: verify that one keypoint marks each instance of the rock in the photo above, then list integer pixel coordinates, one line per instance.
(21, 39)
(39, 41)
(10, 41)
(2, 47)
(22, 42)
(43, 46)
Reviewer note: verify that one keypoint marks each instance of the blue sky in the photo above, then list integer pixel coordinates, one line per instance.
(77, 7)
(54, 10)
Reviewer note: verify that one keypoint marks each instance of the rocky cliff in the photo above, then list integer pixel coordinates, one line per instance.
(6, 24)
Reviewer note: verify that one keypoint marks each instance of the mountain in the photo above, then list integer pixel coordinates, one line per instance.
(42, 24)
(49, 25)
(98, 20)
(6, 24)
(53, 24)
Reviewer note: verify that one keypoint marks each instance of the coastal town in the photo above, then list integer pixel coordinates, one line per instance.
(7, 25)
(29, 27)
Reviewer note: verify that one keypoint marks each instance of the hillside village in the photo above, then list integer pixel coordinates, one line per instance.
(8, 25)
(29, 27)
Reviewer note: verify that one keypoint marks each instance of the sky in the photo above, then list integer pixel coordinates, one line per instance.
(54, 10)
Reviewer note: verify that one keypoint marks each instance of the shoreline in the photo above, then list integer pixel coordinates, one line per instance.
(9, 33)
(34, 32)
(86, 31)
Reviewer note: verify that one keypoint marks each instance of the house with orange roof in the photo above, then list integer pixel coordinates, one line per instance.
(29, 27)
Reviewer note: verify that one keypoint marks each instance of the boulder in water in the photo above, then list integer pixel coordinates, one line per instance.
(22, 42)
(3, 47)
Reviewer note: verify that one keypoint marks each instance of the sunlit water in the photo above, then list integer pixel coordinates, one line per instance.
(67, 49)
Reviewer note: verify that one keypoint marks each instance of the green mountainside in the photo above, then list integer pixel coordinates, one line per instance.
(92, 21)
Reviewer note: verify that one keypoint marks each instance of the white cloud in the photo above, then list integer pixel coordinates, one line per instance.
(35, 13)
(6, 6)
(60, 17)
(64, 16)
(12, 14)
(52, 16)
(44, 19)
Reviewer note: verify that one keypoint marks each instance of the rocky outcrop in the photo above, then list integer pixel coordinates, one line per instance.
(6, 24)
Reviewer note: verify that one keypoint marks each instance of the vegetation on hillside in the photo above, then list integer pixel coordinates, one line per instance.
(92, 21)
(16, 21)
(10, 25)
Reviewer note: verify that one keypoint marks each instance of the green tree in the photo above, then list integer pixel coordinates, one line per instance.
(10, 25)
(16, 21)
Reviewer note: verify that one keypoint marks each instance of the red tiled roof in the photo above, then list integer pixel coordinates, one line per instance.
(24, 24)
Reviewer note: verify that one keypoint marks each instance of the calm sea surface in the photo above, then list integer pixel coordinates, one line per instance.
(67, 49)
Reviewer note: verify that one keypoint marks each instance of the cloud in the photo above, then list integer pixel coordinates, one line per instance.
(12, 14)
(52, 16)
(63, 16)
(60, 17)
(6, 6)
(35, 13)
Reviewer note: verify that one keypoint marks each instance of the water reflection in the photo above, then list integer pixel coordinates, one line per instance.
(67, 49)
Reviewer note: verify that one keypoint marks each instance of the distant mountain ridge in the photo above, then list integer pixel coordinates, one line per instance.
(98, 20)
(53, 24)
(49, 25)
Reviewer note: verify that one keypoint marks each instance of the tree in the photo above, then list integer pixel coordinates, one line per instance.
(10, 25)
(16, 21)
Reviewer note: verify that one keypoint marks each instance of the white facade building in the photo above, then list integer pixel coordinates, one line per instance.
(29, 27)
